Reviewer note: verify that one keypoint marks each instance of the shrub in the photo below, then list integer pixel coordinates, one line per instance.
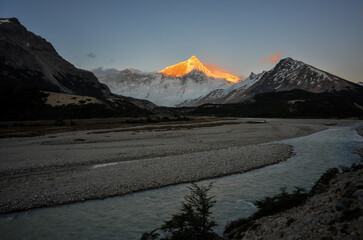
(194, 222)
(280, 202)
(324, 180)
(269, 206)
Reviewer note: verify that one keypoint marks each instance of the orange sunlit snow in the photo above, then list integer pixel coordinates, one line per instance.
(186, 67)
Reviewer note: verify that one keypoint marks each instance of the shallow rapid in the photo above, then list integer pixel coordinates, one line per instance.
(127, 217)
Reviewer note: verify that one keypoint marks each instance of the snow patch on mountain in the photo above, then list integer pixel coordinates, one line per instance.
(218, 95)
(4, 21)
(161, 89)
(323, 74)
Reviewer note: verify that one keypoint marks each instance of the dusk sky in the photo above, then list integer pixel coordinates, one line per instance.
(239, 36)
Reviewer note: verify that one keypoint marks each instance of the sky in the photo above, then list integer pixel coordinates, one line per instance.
(239, 36)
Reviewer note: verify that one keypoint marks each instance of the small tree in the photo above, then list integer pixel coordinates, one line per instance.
(194, 222)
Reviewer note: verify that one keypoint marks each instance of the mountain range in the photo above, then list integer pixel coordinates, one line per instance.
(169, 87)
(191, 84)
(291, 89)
(288, 74)
(30, 68)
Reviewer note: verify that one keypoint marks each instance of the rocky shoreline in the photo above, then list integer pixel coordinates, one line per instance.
(360, 132)
(335, 212)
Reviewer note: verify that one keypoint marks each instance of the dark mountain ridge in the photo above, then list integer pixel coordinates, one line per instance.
(29, 65)
(295, 103)
(29, 60)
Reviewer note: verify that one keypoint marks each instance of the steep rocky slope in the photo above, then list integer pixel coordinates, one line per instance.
(29, 65)
(290, 74)
(29, 60)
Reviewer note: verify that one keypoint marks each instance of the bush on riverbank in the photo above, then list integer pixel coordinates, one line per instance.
(194, 222)
(268, 206)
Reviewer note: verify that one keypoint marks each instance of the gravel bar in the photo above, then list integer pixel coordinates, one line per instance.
(92, 182)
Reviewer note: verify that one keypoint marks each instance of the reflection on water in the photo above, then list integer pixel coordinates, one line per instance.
(127, 217)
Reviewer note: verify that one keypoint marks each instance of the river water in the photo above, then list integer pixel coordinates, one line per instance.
(127, 217)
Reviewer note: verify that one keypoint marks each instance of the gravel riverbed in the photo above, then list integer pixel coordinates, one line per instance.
(62, 168)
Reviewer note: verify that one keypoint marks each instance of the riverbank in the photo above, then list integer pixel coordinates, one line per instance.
(62, 168)
(334, 211)
(360, 132)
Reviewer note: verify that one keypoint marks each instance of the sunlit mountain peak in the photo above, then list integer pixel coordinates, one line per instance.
(193, 63)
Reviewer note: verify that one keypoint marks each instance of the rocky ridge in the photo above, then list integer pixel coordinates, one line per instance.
(29, 60)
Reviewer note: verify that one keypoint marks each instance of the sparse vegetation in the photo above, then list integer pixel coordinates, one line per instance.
(283, 201)
(20, 103)
(194, 222)
(41, 127)
(324, 180)
(280, 202)
(268, 206)
(283, 105)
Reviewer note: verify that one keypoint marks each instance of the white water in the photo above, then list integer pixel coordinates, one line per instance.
(127, 217)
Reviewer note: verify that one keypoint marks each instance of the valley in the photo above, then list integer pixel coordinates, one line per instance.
(76, 166)
(130, 215)
(135, 138)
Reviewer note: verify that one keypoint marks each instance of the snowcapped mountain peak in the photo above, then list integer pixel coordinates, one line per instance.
(193, 63)
(290, 74)
(289, 63)
(164, 88)
(287, 59)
